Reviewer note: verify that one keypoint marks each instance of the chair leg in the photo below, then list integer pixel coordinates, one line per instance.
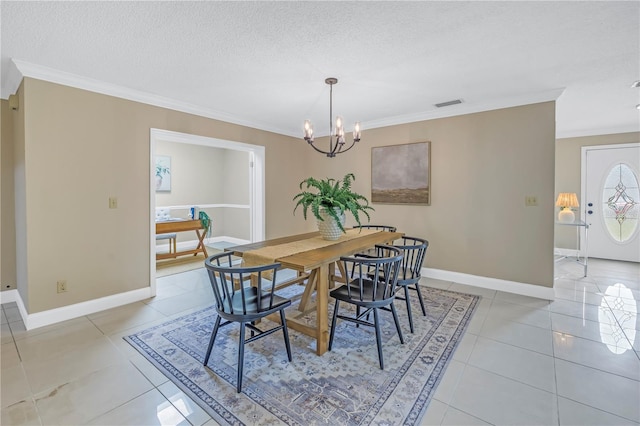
(333, 323)
(378, 337)
(283, 320)
(214, 333)
(424, 311)
(395, 319)
(406, 299)
(240, 358)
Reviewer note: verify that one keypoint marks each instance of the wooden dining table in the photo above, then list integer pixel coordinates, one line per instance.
(320, 263)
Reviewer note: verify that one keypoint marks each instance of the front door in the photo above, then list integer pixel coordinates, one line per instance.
(611, 201)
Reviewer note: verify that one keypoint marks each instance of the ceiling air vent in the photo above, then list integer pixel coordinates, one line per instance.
(449, 103)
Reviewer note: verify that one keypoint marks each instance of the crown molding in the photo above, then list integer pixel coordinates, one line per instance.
(597, 132)
(468, 108)
(27, 69)
(18, 69)
(10, 81)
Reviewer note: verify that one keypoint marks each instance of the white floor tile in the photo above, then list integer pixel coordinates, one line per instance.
(610, 357)
(22, 413)
(519, 299)
(434, 414)
(185, 405)
(449, 381)
(605, 391)
(574, 413)
(578, 296)
(522, 314)
(91, 396)
(62, 368)
(465, 346)
(14, 386)
(518, 334)
(532, 368)
(582, 310)
(151, 408)
(502, 401)
(455, 417)
(586, 329)
(125, 317)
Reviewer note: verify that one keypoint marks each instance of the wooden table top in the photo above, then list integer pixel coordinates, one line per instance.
(314, 258)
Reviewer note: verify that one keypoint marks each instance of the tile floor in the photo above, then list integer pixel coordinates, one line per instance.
(523, 361)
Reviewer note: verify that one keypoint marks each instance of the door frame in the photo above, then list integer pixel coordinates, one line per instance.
(256, 183)
(583, 176)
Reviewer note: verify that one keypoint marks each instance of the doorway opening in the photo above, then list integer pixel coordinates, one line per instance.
(252, 205)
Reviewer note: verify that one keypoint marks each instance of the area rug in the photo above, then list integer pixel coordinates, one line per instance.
(342, 387)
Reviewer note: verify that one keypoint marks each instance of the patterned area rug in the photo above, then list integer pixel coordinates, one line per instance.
(344, 386)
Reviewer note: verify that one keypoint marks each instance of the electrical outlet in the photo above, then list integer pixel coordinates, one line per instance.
(113, 202)
(62, 286)
(530, 200)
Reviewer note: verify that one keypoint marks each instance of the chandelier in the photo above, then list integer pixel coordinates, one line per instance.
(336, 139)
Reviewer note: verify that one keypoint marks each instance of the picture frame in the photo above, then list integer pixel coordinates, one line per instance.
(401, 174)
(163, 173)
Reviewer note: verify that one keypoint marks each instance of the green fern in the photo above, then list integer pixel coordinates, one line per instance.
(331, 194)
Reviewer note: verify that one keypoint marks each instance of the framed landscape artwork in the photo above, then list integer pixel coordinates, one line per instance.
(401, 174)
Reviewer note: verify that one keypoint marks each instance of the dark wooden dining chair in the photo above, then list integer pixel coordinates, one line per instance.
(370, 288)
(372, 251)
(245, 295)
(413, 253)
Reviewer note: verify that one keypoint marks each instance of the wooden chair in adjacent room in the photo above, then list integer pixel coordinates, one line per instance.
(245, 304)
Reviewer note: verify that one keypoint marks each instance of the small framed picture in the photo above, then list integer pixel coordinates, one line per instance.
(163, 173)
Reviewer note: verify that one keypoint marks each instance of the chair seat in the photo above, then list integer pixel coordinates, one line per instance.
(342, 293)
(252, 306)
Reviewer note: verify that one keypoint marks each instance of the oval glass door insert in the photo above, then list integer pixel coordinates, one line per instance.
(620, 197)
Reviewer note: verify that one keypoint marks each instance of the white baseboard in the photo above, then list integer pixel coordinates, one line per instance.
(52, 316)
(491, 283)
(233, 240)
(189, 245)
(567, 252)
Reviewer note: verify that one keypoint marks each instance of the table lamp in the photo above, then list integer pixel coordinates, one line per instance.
(566, 200)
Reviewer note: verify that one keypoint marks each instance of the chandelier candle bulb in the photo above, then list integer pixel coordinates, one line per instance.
(308, 130)
(356, 132)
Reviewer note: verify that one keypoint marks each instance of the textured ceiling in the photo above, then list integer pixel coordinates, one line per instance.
(263, 64)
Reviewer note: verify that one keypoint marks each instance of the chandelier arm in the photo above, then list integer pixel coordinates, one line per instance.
(345, 150)
(318, 149)
(332, 149)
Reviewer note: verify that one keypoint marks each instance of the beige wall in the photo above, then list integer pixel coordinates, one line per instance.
(7, 214)
(568, 173)
(483, 166)
(80, 148)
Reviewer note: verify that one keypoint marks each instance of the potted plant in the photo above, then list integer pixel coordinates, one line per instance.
(329, 201)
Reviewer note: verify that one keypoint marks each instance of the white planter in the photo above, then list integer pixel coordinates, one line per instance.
(328, 227)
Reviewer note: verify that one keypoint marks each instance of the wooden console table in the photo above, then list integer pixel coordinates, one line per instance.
(172, 226)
